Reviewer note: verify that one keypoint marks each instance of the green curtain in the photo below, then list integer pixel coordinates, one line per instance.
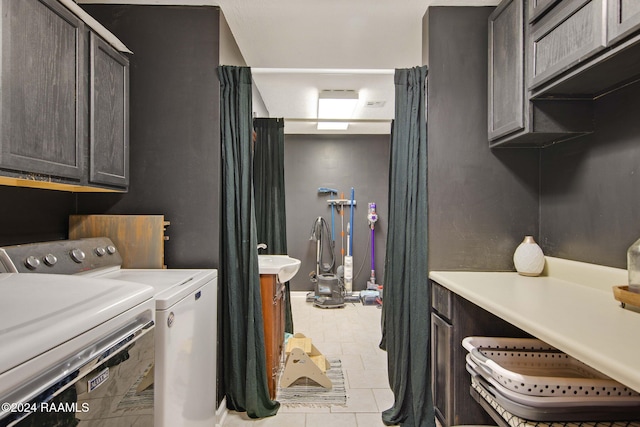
(406, 307)
(268, 187)
(243, 351)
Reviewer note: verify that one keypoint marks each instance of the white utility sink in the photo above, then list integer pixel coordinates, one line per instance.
(282, 265)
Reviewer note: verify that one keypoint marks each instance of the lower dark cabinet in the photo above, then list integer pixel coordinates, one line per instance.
(452, 319)
(442, 345)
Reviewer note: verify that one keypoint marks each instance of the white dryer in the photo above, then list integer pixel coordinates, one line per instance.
(185, 371)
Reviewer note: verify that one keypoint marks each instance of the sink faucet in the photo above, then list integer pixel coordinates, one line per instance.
(262, 246)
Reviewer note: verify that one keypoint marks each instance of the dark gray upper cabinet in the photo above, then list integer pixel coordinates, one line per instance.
(623, 19)
(506, 69)
(585, 48)
(65, 109)
(42, 89)
(515, 119)
(538, 7)
(109, 115)
(572, 32)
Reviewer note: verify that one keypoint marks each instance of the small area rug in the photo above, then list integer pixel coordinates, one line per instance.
(305, 392)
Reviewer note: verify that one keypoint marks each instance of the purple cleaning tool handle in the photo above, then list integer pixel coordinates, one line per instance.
(373, 261)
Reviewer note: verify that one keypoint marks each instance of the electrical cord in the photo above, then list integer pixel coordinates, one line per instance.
(364, 259)
(318, 235)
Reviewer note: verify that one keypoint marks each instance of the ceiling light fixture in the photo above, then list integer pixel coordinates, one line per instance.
(336, 104)
(333, 125)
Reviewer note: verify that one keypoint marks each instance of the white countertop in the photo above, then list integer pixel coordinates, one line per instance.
(570, 306)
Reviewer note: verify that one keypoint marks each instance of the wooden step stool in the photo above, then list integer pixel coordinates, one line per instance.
(304, 360)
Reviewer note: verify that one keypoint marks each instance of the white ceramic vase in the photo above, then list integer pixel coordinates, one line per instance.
(528, 258)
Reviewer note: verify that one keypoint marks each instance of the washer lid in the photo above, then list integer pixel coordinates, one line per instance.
(171, 285)
(41, 311)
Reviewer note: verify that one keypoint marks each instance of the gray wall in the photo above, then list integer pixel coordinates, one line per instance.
(175, 131)
(340, 162)
(30, 215)
(590, 191)
(481, 202)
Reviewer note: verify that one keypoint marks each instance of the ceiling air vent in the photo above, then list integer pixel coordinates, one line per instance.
(375, 104)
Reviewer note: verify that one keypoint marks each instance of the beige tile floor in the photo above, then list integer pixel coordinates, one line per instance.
(351, 334)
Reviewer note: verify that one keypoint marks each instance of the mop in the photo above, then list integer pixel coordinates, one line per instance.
(348, 260)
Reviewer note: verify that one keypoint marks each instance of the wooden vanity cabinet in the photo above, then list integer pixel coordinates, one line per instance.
(452, 319)
(272, 294)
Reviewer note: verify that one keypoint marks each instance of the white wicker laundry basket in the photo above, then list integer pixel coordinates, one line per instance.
(532, 367)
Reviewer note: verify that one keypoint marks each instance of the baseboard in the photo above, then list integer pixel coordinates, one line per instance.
(221, 412)
(299, 294)
(303, 294)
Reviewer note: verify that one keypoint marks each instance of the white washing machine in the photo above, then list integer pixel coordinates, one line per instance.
(74, 351)
(186, 314)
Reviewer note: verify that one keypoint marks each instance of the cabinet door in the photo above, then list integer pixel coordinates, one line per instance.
(623, 19)
(506, 69)
(109, 115)
(43, 88)
(569, 34)
(441, 369)
(539, 7)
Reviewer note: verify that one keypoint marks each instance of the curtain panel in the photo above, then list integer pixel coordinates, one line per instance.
(243, 349)
(268, 187)
(405, 310)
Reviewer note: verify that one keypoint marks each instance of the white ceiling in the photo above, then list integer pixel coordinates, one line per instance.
(296, 48)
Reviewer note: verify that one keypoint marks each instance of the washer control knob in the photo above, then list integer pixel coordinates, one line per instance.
(32, 262)
(111, 249)
(50, 260)
(77, 255)
(100, 251)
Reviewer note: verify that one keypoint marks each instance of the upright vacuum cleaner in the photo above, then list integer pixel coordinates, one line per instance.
(327, 287)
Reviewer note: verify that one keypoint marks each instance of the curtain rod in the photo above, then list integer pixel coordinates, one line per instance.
(381, 71)
(313, 119)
